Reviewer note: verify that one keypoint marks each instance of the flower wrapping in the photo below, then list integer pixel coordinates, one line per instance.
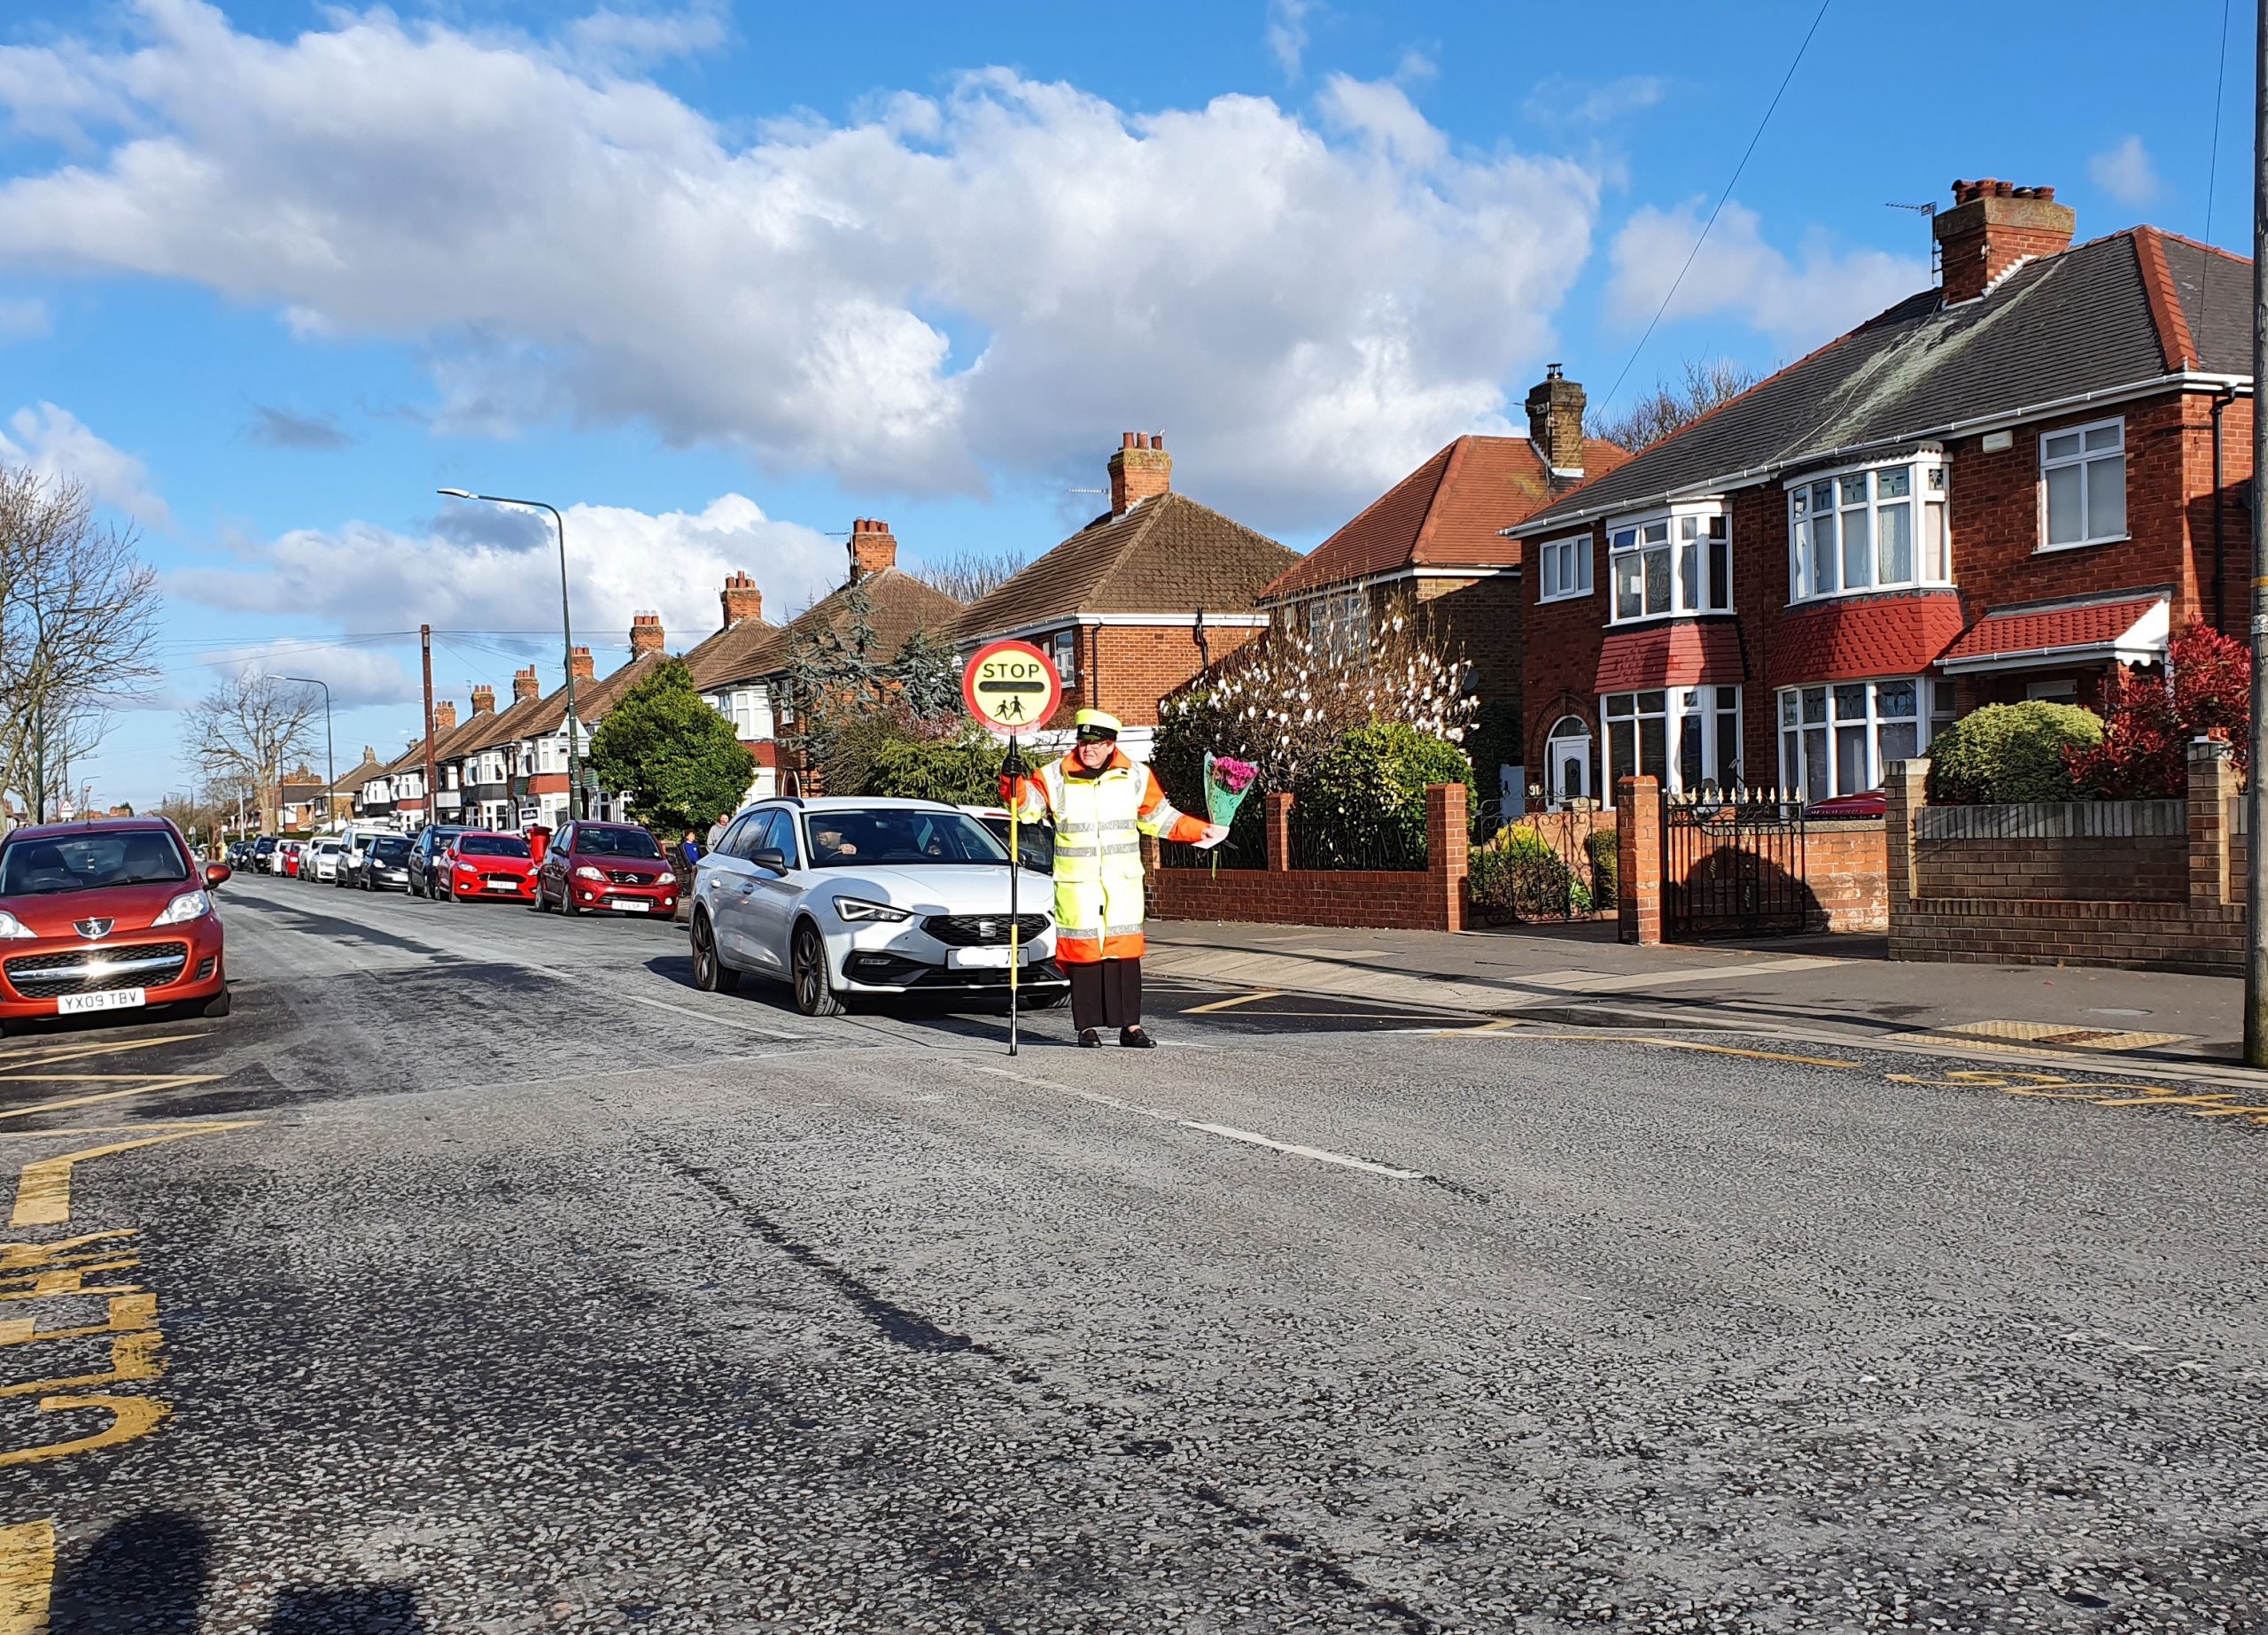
(1227, 782)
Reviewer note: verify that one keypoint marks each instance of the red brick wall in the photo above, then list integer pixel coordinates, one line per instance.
(1478, 620)
(1428, 899)
(1126, 668)
(2135, 868)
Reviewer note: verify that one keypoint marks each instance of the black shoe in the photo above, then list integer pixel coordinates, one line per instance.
(1135, 1039)
(1089, 1040)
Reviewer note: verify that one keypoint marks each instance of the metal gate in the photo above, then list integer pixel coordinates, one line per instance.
(1733, 865)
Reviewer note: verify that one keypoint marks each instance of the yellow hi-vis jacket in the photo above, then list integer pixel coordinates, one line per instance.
(1098, 820)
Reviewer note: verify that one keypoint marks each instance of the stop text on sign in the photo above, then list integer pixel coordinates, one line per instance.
(1011, 686)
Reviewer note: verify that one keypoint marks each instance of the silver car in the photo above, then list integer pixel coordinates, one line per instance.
(840, 896)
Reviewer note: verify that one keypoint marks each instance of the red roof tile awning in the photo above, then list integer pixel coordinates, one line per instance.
(2131, 629)
(1680, 654)
(1865, 637)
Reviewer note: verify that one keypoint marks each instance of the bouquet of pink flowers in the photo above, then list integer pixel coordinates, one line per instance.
(1227, 782)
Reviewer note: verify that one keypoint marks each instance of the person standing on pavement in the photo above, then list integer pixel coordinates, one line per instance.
(1102, 803)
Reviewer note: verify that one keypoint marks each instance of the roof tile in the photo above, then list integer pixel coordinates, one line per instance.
(1864, 637)
(1678, 654)
(2003, 631)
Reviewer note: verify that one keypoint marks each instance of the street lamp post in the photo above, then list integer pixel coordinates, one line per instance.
(330, 761)
(566, 631)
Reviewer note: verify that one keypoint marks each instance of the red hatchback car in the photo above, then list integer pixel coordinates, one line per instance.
(483, 862)
(614, 867)
(106, 916)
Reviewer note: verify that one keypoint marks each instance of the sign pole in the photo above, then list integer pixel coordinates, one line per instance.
(1015, 768)
(1010, 686)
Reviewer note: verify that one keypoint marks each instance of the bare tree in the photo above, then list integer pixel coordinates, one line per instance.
(1703, 384)
(971, 576)
(245, 731)
(78, 628)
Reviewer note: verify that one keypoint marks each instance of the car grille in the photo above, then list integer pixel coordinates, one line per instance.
(895, 970)
(629, 877)
(982, 930)
(51, 976)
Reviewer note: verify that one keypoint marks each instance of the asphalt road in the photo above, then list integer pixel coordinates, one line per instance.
(503, 1281)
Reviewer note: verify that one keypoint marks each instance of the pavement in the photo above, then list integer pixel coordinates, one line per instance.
(1825, 989)
(480, 1274)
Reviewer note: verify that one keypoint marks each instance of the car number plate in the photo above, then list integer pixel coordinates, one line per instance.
(636, 905)
(984, 958)
(116, 999)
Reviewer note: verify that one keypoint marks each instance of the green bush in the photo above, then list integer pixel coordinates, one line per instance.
(2007, 755)
(965, 770)
(1362, 804)
(1605, 847)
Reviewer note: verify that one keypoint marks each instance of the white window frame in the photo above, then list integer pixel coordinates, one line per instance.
(749, 710)
(1716, 709)
(1338, 624)
(1871, 491)
(2085, 458)
(1798, 732)
(1695, 543)
(1563, 569)
(1063, 653)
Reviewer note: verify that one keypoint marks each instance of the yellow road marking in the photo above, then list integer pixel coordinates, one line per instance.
(1761, 1055)
(1240, 999)
(145, 1087)
(128, 1312)
(80, 1053)
(44, 1185)
(2111, 1093)
(133, 1360)
(130, 1417)
(1659, 1044)
(26, 1577)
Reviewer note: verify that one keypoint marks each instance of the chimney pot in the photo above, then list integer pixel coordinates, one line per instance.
(1126, 439)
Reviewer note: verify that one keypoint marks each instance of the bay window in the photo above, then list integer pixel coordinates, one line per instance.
(1880, 529)
(2083, 471)
(1563, 567)
(749, 710)
(1843, 737)
(1687, 737)
(1678, 564)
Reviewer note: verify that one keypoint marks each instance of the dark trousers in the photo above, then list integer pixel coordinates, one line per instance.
(1109, 995)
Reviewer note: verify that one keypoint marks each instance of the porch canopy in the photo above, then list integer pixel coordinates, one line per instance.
(2131, 629)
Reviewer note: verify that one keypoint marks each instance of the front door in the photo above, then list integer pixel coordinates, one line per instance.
(1570, 770)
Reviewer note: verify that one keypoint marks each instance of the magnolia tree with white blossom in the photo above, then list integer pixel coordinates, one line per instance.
(1290, 697)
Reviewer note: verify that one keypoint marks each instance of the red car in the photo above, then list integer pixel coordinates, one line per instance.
(483, 863)
(293, 850)
(112, 915)
(610, 867)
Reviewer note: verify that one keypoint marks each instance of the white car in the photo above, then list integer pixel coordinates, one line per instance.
(321, 860)
(840, 896)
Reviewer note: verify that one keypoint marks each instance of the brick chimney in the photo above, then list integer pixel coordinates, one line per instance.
(579, 665)
(645, 634)
(1993, 225)
(523, 684)
(873, 547)
(1554, 423)
(742, 599)
(1140, 469)
(484, 701)
(370, 752)
(445, 718)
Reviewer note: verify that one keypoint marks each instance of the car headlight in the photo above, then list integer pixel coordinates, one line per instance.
(188, 906)
(854, 910)
(11, 926)
(666, 878)
(587, 872)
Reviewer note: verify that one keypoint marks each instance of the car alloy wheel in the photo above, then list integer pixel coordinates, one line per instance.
(814, 992)
(710, 973)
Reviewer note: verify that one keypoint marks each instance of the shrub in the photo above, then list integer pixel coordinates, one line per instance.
(1604, 848)
(676, 758)
(2009, 754)
(1518, 872)
(2143, 755)
(965, 770)
(1361, 803)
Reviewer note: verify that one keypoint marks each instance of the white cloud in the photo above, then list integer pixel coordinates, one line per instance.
(487, 569)
(622, 40)
(2126, 174)
(1797, 302)
(1287, 33)
(356, 676)
(1561, 101)
(19, 318)
(56, 443)
(997, 280)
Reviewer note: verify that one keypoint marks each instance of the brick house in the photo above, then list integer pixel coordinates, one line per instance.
(1440, 542)
(398, 792)
(1135, 604)
(478, 762)
(535, 759)
(1996, 489)
(748, 677)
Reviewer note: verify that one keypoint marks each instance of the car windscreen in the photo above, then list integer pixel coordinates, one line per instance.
(855, 839)
(617, 843)
(83, 861)
(393, 847)
(491, 845)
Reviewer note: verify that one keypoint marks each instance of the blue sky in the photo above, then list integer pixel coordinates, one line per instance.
(718, 278)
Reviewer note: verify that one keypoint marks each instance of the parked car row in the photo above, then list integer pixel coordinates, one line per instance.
(588, 868)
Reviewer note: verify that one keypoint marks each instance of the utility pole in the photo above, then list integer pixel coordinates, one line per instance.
(2256, 791)
(433, 778)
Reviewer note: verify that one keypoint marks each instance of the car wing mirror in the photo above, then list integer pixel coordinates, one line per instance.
(217, 874)
(769, 857)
